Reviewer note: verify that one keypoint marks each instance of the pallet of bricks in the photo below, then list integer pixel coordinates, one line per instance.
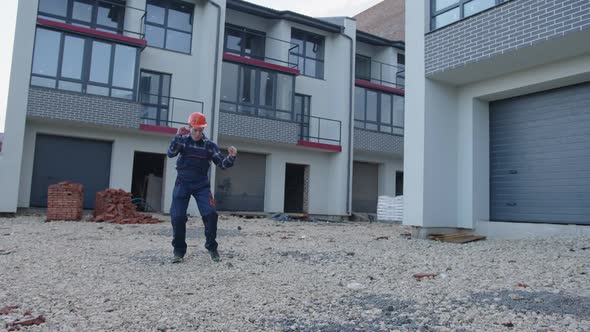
(115, 206)
(64, 201)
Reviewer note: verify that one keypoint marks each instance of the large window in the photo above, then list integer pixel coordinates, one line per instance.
(169, 25)
(302, 112)
(363, 67)
(154, 94)
(81, 64)
(309, 55)
(255, 91)
(445, 12)
(244, 42)
(379, 111)
(106, 15)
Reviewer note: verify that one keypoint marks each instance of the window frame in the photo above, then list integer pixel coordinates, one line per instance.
(86, 66)
(460, 4)
(159, 105)
(302, 54)
(378, 123)
(165, 27)
(304, 131)
(93, 24)
(366, 78)
(256, 105)
(243, 32)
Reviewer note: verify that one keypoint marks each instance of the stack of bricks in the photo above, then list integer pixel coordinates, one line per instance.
(115, 206)
(64, 201)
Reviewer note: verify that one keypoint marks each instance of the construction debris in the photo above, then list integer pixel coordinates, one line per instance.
(8, 309)
(15, 326)
(64, 201)
(456, 238)
(420, 276)
(115, 206)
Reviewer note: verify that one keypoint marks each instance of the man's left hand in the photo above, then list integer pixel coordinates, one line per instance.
(232, 151)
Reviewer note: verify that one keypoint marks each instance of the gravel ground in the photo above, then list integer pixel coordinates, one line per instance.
(287, 276)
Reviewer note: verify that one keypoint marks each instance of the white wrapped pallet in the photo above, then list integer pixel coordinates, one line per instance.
(390, 208)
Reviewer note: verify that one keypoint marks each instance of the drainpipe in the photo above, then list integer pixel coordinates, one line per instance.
(214, 100)
(350, 126)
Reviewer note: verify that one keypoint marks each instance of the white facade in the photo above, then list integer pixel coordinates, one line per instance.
(447, 136)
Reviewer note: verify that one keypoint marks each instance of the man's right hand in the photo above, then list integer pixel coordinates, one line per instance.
(181, 131)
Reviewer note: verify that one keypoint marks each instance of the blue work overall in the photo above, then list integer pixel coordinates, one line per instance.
(192, 179)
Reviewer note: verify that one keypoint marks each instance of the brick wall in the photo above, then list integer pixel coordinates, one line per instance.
(365, 140)
(386, 19)
(238, 125)
(510, 26)
(62, 105)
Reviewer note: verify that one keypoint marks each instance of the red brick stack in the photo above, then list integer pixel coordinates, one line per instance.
(64, 201)
(115, 206)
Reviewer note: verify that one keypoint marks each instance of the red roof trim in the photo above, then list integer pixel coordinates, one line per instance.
(92, 32)
(330, 147)
(370, 85)
(258, 63)
(157, 129)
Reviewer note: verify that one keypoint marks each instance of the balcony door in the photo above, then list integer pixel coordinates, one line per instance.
(155, 96)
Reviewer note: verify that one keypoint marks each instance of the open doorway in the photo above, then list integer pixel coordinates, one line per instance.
(296, 185)
(146, 185)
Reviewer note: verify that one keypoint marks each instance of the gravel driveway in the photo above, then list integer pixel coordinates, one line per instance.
(286, 276)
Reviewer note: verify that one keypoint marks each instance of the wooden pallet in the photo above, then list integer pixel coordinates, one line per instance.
(456, 237)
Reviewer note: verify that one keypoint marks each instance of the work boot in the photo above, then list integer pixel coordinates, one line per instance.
(177, 259)
(214, 256)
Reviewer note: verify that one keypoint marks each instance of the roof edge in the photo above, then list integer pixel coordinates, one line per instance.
(369, 38)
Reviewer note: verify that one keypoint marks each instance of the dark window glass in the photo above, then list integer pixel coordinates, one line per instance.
(476, 6)
(399, 183)
(42, 81)
(178, 41)
(125, 57)
(284, 92)
(180, 16)
(445, 12)
(386, 104)
(156, 14)
(244, 42)
(442, 4)
(446, 18)
(229, 79)
(100, 62)
(69, 86)
(267, 85)
(377, 110)
(363, 67)
(310, 53)
(110, 14)
(154, 36)
(401, 59)
(73, 54)
(55, 7)
(359, 103)
(46, 55)
(247, 85)
(371, 106)
(169, 25)
(82, 10)
(104, 15)
(154, 95)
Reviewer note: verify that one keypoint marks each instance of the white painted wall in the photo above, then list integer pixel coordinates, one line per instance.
(14, 99)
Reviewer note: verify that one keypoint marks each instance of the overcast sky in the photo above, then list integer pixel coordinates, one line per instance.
(319, 8)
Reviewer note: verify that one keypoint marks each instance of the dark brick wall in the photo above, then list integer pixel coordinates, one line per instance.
(365, 140)
(507, 27)
(234, 124)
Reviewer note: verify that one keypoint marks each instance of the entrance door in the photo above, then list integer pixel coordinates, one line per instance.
(294, 188)
(147, 182)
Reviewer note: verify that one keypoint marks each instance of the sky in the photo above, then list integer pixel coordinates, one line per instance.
(319, 8)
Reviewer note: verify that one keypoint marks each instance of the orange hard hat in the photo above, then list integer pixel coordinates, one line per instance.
(197, 120)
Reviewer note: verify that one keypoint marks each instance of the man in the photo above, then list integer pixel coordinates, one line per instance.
(192, 167)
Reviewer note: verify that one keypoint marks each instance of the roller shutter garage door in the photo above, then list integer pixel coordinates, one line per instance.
(365, 187)
(241, 188)
(59, 158)
(540, 157)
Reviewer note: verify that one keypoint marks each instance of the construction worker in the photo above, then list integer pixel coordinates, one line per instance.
(196, 153)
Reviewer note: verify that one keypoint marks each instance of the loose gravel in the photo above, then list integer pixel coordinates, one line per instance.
(286, 276)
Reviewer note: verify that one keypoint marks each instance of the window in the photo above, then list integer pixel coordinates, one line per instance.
(70, 62)
(445, 12)
(309, 55)
(401, 59)
(379, 111)
(154, 94)
(401, 70)
(106, 15)
(302, 112)
(244, 42)
(363, 67)
(169, 25)
(256, 91)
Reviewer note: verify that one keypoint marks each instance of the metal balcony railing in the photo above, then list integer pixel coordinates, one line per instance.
(381, 73)
(255, 45)
(320, 130)
(167, 111)
(119, 18)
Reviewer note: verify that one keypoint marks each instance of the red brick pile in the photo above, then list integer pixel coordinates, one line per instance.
(115, 206)
(64, 201)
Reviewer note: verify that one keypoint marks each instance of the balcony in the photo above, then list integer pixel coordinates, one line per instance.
(255, 48)
(165, 114)
(379, 75)
(321, 133)
(106, 19)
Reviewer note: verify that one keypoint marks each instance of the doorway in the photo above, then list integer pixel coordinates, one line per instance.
(296, 188)
(147, 182)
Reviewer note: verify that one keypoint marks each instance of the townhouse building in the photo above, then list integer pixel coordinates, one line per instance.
(498, 138)
(97, 88)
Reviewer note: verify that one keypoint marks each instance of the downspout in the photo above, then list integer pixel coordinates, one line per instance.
(350, 126)
(214, 100)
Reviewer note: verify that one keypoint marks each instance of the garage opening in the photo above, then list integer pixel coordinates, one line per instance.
(365, 187)
(241, 188)
(296, 188)
(147, 182)
(59, 158)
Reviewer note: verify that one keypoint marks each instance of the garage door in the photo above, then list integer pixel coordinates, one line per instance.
(241, 188)
(540, 157)
(365, 187)
(58, 158)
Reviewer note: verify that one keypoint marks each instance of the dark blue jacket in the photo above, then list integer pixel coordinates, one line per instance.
(195, 158)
